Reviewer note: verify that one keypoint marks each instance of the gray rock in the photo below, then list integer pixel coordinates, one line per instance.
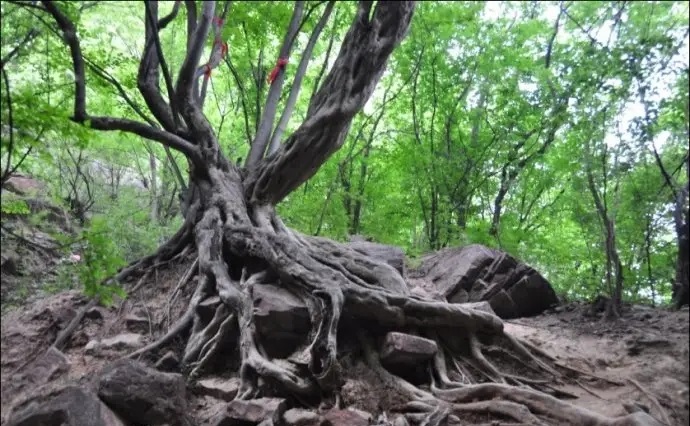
(301, 417)
(279, 311)
(68, 406)
(425, 294)
(143, 395)
(136, 323)
(480, 306)
(400, 348)
(46, 367)
(392, 255)
(251, 411)
(460, 296)
(125, 341)
(503, 305)
(281, 318)
(224, 389)
(483, 273)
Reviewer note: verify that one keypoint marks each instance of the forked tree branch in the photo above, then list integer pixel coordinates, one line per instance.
(357, 69)
(33, 33)
(297, 82)
(261, 139)
(148, 78)
(69, 35)
(207, 75)
(184, 88)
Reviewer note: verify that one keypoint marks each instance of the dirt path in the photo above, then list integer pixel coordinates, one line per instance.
(648, 346)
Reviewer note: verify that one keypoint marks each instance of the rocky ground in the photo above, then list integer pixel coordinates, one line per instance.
(641, 361)
(636, 364)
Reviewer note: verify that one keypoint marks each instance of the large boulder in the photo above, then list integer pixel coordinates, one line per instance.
(63, 406)
(282, 319)
(143, 395)
(394, 256)
(477, 273)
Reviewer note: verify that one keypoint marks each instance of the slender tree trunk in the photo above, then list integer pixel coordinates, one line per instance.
(681, 214)
(154, 187)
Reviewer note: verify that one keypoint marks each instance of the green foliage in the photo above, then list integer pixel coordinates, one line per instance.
(101, 259)
(14, 206)
(468, 107)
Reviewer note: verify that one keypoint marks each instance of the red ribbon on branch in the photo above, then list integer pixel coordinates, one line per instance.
(280, 65)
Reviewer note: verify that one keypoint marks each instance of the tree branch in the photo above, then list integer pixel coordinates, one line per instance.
(325, 62)
(358, 68)
(297, 82)
(261, 139)
(33, 33)
(154, 59)
(109, 123)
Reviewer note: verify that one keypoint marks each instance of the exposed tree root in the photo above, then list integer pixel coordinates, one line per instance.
(239, 249)
(653, 399)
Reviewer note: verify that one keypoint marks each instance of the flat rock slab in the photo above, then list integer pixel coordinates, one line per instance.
(224, 389)
(348, 417)
(279, 312)
(70, 405)
(400, 349)
(251, 412)
(45, 368)
(143, 395)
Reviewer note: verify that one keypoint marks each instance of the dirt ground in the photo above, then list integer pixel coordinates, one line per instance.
(640, 359)
(646, 351)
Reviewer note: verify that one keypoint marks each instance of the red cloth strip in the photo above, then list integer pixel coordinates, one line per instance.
(280, 65)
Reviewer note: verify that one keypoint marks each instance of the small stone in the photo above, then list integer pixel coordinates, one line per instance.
(301, 417)
(123, 341)
(401, 348)
(224, 389)
(91, 348)
(168, 362)
(136, 323)
(400, 421)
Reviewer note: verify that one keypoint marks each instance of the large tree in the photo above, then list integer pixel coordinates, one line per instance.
(231, 228)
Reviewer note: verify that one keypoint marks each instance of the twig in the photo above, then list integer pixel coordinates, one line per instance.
(187, 275)
(65, 334)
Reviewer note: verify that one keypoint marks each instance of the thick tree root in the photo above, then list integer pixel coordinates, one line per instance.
(239, 251)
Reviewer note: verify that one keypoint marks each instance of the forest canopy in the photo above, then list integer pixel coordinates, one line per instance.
(556, 131)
